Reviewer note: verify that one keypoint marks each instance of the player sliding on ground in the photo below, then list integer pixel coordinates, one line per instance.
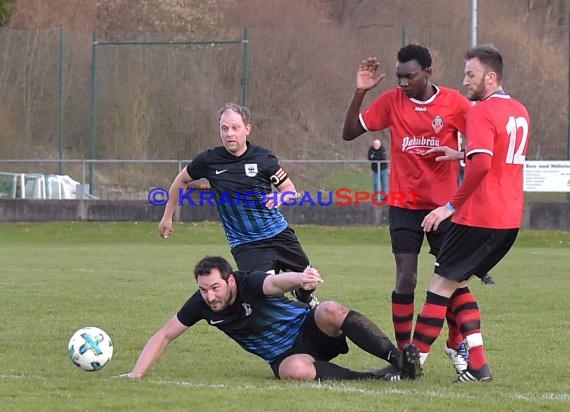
(296, 341)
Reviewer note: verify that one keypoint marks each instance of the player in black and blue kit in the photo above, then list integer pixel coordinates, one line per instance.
(241, 176)
(296, 341)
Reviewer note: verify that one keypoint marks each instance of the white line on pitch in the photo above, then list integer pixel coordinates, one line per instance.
(339, 387)
(345, 388)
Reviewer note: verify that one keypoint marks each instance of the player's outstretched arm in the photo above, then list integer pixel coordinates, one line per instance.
(155, 346)
(181, 182)
(367, 77)
(309, 279)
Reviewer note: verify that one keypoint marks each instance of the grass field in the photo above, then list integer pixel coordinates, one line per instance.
(56, 278)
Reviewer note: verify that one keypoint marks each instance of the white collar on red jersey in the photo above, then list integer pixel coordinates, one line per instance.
(428, 101)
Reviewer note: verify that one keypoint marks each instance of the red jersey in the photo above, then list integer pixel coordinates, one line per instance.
(498, 126)
(417, 181)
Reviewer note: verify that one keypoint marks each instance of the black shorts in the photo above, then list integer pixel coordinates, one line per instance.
(472, 251)
(407, 234)
(312, 341)
(279, 253)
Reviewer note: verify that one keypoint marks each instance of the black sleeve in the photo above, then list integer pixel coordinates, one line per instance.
(251, 282)
(192, 311)
(198, 168)
(271, 169)
(269, 164)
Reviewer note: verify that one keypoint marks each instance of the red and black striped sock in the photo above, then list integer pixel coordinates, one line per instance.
(468, 319)
(430, 321)
(455, 337)
(403, 317)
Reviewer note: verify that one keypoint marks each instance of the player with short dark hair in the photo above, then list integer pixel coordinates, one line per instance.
(486, 211)
(297, 342)
(420, 116)
(241, 176)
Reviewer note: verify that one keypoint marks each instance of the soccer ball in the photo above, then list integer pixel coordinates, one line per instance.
(90, 349)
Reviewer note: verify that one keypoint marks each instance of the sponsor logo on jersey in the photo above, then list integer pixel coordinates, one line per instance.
(419, 145)
(421, 109)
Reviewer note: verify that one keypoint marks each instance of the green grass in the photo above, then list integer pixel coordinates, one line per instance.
(549, 197)
(58, 277)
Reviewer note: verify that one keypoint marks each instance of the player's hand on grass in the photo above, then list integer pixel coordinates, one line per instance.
(367, 76)
(129, 375)
(446, 153)
(435, 217)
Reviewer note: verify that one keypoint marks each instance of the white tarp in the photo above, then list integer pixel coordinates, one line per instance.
(37, 186)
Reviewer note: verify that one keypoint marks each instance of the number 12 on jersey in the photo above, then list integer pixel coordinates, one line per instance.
(515, 153)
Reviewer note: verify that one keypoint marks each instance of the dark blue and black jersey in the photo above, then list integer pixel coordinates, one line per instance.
(239, 185)
(266, 326)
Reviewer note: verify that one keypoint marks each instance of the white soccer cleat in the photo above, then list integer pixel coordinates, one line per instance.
(460, 357)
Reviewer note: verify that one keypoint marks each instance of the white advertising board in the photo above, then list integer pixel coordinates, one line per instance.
(547, 176)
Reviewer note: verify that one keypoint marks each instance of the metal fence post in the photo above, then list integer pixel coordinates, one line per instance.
(92, 146)
(61, 105)
(245, 78)
(568, 101)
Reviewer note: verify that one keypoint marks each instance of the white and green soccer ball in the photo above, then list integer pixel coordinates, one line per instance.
(90, 349)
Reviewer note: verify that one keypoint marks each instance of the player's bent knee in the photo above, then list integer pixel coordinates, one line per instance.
(298, 367)
(331, 309)
(330, 315)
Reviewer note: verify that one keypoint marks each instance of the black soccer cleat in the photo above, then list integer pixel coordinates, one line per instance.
(411, 367)
(305, 297)
(381, 373)
(488, 280)
(475, 375)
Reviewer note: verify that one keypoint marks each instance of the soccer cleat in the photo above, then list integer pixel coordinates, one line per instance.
(459, 357)
(313, 302)
(488, 280)
(307, 298)
(411, 367)
(380, 373)
(393, 377)
(472, 375)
